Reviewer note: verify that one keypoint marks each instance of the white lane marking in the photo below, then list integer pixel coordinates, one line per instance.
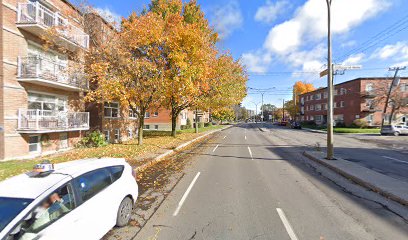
(395, 159)
(225, 137)
(245, 137)
(215, 147)
(180, 204)
(250, 152)
(287, 225)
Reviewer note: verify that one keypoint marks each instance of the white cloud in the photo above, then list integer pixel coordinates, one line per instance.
(354, 59)
(347, 44)
(227, 18)
(256, 62)
(309, 23)
(269, 12)
(109, 15)
(398, 50)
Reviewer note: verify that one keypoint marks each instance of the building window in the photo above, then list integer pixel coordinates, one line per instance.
(335, 105)
(156, 127)
(34, 144)
(357, 116)
(146, 127)
(343, 91)
(117, 134)
(311, 118)
(307, 108)
(46, 102)
(107, 135)
(318, 96)
(404, 87)
(63, 140)
(302, 100)
(370, 87)
(325, 106)
(335, 92)
(132, 114)
(325, 94)
(130, 133)
(311, 107)
(318, 107)
(342, 104)
(147, 115)
(370, 118)
(311, 97)
(307, 98)
(156, 114)
(111, 110)
(318, 118)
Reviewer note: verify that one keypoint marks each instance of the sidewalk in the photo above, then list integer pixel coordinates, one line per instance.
(389, 187)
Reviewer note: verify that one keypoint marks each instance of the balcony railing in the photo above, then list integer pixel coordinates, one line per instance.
(368, 94)
(30, 13)
(34, 120)
(41, 69)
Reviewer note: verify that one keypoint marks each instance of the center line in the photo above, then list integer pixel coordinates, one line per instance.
(180, 204)
(245, 137)
(287, 225)
(395, 159)
(215, 147)
(250, 152)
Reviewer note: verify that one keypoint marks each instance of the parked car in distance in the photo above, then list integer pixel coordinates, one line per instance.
(395, 130)
(81, 199)
(283, 123)
(296, 125)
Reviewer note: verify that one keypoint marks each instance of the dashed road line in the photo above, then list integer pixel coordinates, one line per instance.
(395, 159)
(250, 153)
(180, 204)
(215, 148)
(287, 225)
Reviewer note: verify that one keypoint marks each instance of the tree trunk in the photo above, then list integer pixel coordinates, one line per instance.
(196, 117)
(173, 122)
(391, 115)
(141, 124)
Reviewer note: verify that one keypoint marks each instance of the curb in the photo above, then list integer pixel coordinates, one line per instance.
(359, 181)
(162, 156)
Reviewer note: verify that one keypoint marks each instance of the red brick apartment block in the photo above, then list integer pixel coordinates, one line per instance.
(352, 100)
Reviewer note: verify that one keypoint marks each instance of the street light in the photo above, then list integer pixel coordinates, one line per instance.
(330, 140)
(256, 110)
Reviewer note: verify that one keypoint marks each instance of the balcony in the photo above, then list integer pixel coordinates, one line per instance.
(368, 94)
(45, 72)
(369, 109)
(36, 18)
(44, 121)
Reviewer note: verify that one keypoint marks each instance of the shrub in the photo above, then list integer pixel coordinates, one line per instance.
(360, 123)
(188, 124)
(208, 124)
(200, 125)
(93, 139)
(340, 124)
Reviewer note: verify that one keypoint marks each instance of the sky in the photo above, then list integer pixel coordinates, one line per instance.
(284, 41)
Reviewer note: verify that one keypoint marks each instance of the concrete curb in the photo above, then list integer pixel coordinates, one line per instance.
(163, 156)
(360, 180)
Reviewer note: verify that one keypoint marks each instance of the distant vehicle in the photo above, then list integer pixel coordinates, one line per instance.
(283, 123)
(395, 130)
(81, 199)
(295, 125)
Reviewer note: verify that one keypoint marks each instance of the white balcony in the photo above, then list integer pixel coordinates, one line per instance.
(45, 72)
(44, 121)
(36, 18)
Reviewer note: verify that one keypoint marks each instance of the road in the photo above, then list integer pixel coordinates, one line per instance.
(372, 152)
(252, 185)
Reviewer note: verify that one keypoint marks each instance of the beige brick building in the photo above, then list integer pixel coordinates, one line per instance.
(41, 102)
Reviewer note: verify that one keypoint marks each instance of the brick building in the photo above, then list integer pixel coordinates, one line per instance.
(41, 108)
(353, 100)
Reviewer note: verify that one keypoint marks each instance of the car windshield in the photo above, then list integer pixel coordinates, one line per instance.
(10, 208)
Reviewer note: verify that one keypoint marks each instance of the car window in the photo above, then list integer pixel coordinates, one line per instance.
(91, 183)
(52, 208)
(10, 208)
(116, 172)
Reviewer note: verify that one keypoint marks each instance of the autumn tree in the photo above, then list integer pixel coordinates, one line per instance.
(223, 114)
(299, 88)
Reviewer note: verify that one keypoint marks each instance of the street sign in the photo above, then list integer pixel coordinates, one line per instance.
(340, 67)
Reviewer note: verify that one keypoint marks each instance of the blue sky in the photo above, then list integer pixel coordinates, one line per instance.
(283, 41)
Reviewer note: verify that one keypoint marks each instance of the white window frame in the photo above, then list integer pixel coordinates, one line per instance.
(369, 87)
(107, 135)
(117, 134)
(146, 127)
(132, 115)
(147, 115)
(318, 107)
(155, 114)
(110, 107)
(318, 96)
(60, 138)
(342, 104)
(38, 143)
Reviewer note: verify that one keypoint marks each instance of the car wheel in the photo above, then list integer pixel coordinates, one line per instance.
(396, 134)
(124, 212)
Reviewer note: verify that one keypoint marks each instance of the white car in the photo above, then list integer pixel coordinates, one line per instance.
(81, 199)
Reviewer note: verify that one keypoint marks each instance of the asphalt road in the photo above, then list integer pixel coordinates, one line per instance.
(372, 152)
(252, 185)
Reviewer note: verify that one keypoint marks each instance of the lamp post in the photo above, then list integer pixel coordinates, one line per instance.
(256, 110)
(330, 139)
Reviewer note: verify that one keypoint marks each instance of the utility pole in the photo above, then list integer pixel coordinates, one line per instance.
(395, 83)
(283, 110)
(330, 139)
(256, 110)
(262, 108)
(294, 101)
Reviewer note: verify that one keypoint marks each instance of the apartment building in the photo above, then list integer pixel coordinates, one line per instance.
(354, 99)
(161, 119)
(41, 107)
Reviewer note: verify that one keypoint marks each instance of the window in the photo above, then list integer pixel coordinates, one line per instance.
(357, 116)
(111, 110)
(369, 103)
(369, 87)
(91, 183)
(302, 100)
(342, 104)
(343, 91)
(130, 133)
(107, 135)
(132, 114)
(318, 96)
(335, 105)
(46, 102)
(307, 108)
(34, 144)
(10, 208)
(335, 92)
(307, 98)
(325, 95)
(311, 97)
(147, 115)
(370, 118)
(117, 134)
(311, 107)
(404, 87)
(116, 172)
(156, 114)
(325, 106)
(63, 140)
(311, 118)
(147, 127)
(318, 107)
(318, 118)
(52, 208)
(156, 127)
